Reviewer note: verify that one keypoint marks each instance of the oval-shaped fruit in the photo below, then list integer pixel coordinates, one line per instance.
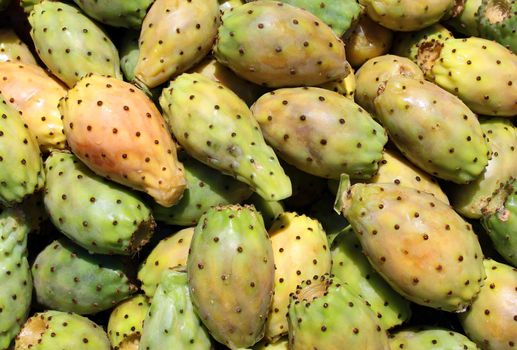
(498, 21)
(126, 322)
(13, 49)
(116, 13)
(430, 338)
(408, 44)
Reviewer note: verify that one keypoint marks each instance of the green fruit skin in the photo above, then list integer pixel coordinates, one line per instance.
(433, 129)
(498, 21)
(268, 209)
(467, 20)
(116, 13)
(430, 338)
(217, 128)
(231, 274)
(71, 54)
(126, 322)
(408, 44)
(67, 278)
(321, 132)
(206, 188)
(172, 322)
(16, 280)
(22, 171)
(129, 52)
(77, 200)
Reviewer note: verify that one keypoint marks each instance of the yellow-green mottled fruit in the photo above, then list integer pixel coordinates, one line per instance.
(408, 44)
(427, 338)
(13, 49)
(345, 86)
(117, 13)
(268, 209)
(466, 21)
(126, 322)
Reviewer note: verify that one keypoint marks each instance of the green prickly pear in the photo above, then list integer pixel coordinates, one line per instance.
(129, 52)
(70, 44)
(498, 21)
(408, 44)
(466, 20)
(228, 5)
(126, 322)
(268, 209)
(217, 128)
(117, 13)
(13, 49)
(430, 338)
(231, 254)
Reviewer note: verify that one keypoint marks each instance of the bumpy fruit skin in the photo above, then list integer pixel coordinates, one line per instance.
(275, 44)
(376, 72)
(78, 200)
(345, 86)
(176, 34)
(427, 338)
(116, 13)
(217, 128)
(126, 322)
(206, 188)
(171, 252)
(301, 251)
(351, 266)
(172, 322)
(321, 132)
(482, 73)
(498, 21)
(70, 44)
(13, 49)
(408, 44)
(421, 247)
(68, 278)
(16, 280)
(31, 91)
(325, 314)
(21, 173)
(53, 330)
(472, 200)
(490, 320)
(433, 129)
(118, 132)
(407, 15)
(129, 52)
(268, 209)
(466, 21)
(231, 274)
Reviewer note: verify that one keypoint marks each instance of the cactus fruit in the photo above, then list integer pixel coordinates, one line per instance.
(206, 188)
(117, 131)
(117, 13)
(184, 30)
(171, 252)
(30, 90)
(172, 322)
(482, 73)
(22, 168)
(419, 244)
(433, 129)
(13, 49)
(471, 200)
(301, 250)
(268, 209)
(67, 278)
(344, 86)
(430, 338)
(217, 128)
(231, 254)
(282, 344)
(129, 52)
(275, 44)
(408, 44)
(228, 5)
(126, 322)
(376, 72)
(70, 44)
(466, 21)
(351, 266)
(16, 280)
(498, 21)
(77, 200)
(52, 330)
(490, 320)
(321, 132)
(325, 314)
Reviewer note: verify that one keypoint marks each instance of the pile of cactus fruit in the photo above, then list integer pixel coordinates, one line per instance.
(258, 174)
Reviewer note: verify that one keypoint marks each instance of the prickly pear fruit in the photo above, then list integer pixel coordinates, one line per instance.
(170, 253)
(231, 254)
(206, 188)
(118, 132)
(376, 72)
(490, 320)
(16, 280)
(116, 13)
(325, 314)
(67, 278)
(22, 168)
(53, 330)
(471, 200)
(498, 21)
(126, 322)
(351, 266)
(31, 91)
(268, 209)
(28, 5)
(421, 247)
(408, 44)
(300, 250)
(228, 5)
(427, 338)
(172, 322)
(433, 129)
(482, 73)
(70, 44)
(345, 86)
(275, 44)
(282, 344)
(321, 132)
(13, 49)
(466, 20)
(184, 31)
(129, 52)
(217, 128)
